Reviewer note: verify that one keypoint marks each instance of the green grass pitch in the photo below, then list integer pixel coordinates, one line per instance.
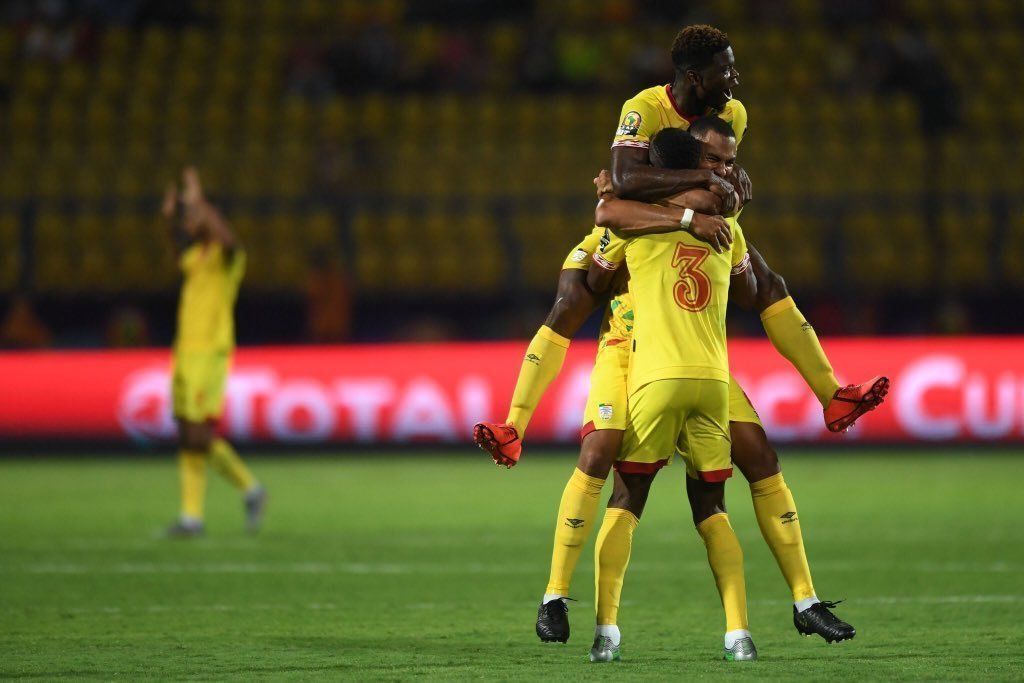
(391, 566)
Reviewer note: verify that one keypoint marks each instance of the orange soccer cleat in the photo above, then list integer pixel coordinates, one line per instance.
(500, 440)
(852, 401)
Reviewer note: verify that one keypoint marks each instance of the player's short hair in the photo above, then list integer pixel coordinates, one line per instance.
(695, 46)
(711, 124)
(675, 148)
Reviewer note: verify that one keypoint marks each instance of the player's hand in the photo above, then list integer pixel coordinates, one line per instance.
(170, 202)
(603, 181)
(192, 198)
(724, 189)
(741, 181)
(713, 230)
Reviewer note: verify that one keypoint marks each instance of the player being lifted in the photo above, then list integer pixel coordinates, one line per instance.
(213, 263)
(705, 75)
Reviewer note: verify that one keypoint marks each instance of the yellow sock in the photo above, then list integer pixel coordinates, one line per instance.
(543, 362)
(226, 461)
(575, 519)
(192, 471)
(776, 515)
(726, 559)
(795, 339)
(611, 557)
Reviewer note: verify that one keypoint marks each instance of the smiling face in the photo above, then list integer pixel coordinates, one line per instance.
(714, 83)
(718, 153)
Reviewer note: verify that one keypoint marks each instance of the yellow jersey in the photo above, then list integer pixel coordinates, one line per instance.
(651, 110)
(617, 324)
(680, 291)
(206, 308)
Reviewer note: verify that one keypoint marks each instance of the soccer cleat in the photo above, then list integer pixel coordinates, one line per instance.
(742, 650)
(852, 401)
(185, 529)
(818, 619)
(604, 650)
(553, 621)
(255, 505)
(500, 440)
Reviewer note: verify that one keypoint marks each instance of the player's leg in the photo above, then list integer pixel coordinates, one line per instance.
(777, 517)
(611, 558)
(794, 338)
(705, 445)
(193, 444)
(223, 457)
(604, 422)
(193, 455)
(543, 361)
(654, 424)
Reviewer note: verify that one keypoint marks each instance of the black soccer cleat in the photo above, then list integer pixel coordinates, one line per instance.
(553, 621)
(818, 619)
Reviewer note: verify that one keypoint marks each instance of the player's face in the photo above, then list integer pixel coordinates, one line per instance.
(718, 80)
(718, 154)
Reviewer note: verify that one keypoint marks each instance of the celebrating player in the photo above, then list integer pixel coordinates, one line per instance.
(213, 264)
(678, 388)
(704, 79)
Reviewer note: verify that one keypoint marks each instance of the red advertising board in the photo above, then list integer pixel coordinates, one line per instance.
(944, 389)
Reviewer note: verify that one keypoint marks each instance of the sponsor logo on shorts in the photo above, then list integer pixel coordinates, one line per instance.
(630, 124)
(604, 410)
(579, 256)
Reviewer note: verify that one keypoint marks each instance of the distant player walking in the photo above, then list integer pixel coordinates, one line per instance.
(213, 263)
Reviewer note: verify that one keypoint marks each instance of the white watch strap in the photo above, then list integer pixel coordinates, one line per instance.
(684, 222)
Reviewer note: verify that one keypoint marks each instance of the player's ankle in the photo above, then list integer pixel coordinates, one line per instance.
(806, 603)
(732, 636)
(548, 597)
(609, 631)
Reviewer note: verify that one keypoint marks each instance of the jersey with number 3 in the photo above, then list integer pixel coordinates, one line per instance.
(680, 289)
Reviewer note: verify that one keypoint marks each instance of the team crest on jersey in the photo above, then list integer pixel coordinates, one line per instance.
(630, 124)
(579, 256)
(604, 410)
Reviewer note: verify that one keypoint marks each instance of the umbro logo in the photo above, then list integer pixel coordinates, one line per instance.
(807, 327)
(788, 517)
(533, 358)
(574, 523)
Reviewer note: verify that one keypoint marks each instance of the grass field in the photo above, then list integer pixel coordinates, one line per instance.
(390, 567)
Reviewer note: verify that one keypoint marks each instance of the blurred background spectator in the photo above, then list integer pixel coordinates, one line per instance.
(447, 149)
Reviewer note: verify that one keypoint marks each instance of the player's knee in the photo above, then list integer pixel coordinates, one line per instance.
(598, 453)
(771, 288)
(763, 464)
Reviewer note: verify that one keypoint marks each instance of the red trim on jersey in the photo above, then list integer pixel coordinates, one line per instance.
(715, 476)
(627, 467)
(587, 429)
(631, 143)
(614, 342)
(689, 119)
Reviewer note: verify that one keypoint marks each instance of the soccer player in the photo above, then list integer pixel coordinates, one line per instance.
(678, 389)
(213, 263)
(705, 75)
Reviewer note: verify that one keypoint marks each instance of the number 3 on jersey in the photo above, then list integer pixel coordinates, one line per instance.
(693, 290)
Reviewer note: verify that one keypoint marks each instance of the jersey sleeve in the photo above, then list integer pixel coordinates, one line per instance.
(736, 115)
(637, 124)
(740, 254)
(611, 251)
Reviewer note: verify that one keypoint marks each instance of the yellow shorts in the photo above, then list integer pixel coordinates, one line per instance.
(579, 257)
(197, 389)
(607, 401)
(685, 416)
(740, 407)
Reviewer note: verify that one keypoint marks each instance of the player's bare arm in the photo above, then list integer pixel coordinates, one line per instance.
(630, 218)
(200, 214)
(633, 177)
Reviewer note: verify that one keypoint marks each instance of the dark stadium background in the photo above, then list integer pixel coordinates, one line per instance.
(407, 176)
